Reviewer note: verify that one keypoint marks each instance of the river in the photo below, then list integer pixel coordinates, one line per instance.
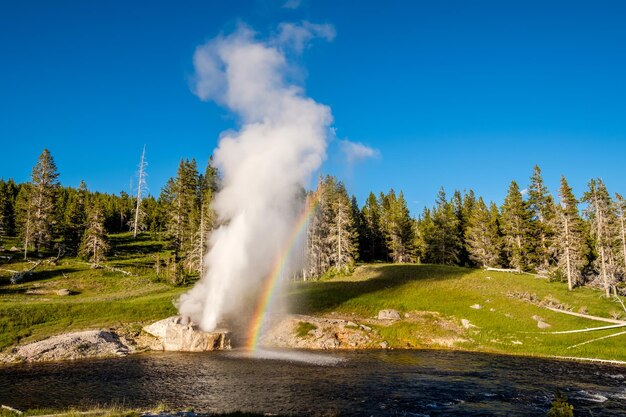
(381, 383)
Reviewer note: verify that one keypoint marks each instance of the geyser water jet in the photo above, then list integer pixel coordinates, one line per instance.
(265, 164)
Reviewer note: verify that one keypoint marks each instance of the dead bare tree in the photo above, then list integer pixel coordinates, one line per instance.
(141, 189)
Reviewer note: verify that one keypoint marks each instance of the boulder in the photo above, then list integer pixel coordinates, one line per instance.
(389, 315)
(466, 324)
(476, 306)
(175, 334)
(63, 292)
(543, 324)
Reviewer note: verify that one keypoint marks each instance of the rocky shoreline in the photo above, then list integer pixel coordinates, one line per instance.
(175, 334)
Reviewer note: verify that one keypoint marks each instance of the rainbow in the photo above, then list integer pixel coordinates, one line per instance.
(278, 268)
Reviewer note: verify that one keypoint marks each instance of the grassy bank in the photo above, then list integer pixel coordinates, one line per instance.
(504, 322)
(32, 310)
(437, 299)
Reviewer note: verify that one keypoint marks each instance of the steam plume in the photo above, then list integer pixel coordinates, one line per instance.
(281, 142)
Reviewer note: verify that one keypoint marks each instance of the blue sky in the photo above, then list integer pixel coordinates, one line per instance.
(451, 93)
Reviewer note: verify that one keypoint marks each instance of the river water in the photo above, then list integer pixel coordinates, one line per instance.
(380, 383)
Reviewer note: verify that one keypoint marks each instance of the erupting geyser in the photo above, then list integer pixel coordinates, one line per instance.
(280, 144)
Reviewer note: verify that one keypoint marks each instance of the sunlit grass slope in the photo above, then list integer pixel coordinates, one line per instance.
(504, 322)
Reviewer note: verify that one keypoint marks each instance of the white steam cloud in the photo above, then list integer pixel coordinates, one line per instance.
(357, 151)
(280, 144)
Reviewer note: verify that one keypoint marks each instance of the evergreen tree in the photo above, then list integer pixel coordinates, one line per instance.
(9, 190)
(75, 219)
(4, 204)
(397, 227)
(543, 210)
(94, 244)
(207, 218)
(342, 236)
(516, 226)
(600, 212)
(444, 243)
(24, 216)
(318, 230)
(423, 228)
(483, 235)
(620, 210)
(571, 252)
(359, 228)
(184, 212)
(373, 248)
(43, 197)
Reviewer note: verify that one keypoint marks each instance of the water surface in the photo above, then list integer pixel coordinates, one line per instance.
(380, 383)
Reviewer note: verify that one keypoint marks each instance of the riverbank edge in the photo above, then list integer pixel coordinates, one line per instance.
(143, 342)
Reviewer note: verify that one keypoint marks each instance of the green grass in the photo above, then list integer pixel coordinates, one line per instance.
(437, 298)
(303, 328)
(449, 292)
(101, 298)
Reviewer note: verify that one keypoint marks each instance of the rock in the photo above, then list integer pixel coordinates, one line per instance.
(516, 342)
(389, 315)
(466, 324)
(476, 306)
(537, 318)
(542, 324)
(176, 335)
(366, 328)
(14, 249)
(384, 345)
(69, 346)
(63, 292)
(351, 324)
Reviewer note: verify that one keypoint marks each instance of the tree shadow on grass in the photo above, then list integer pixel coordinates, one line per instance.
(41, 275)
(324, 296)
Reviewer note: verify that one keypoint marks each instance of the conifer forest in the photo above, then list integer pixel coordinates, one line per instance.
(575, 238)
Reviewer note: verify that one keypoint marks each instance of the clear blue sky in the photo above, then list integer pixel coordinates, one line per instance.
(454, 93)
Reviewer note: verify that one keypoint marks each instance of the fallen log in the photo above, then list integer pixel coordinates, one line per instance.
(19, 276)
(588, 329)
(595, 340)
(586, 316)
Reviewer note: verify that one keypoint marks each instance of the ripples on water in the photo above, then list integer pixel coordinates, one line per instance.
(381, 383)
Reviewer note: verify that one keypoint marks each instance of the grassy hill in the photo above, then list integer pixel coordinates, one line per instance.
(504, 323)
(438, 296)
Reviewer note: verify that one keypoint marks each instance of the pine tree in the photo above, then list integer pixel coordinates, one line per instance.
(43, 195)
(184, 212)
(517, 228)
(318, 230)
(9, 192)
(543, 210)
(600, 211)
(358, 227)
(342, 236)
(94, 244)
(75, 220)
(207, 218)
(620, 210)
(4, 203)
(374, 241)
(571, 253)
(483, 235)
(397, 227)
(444, 243)
(24, 216)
